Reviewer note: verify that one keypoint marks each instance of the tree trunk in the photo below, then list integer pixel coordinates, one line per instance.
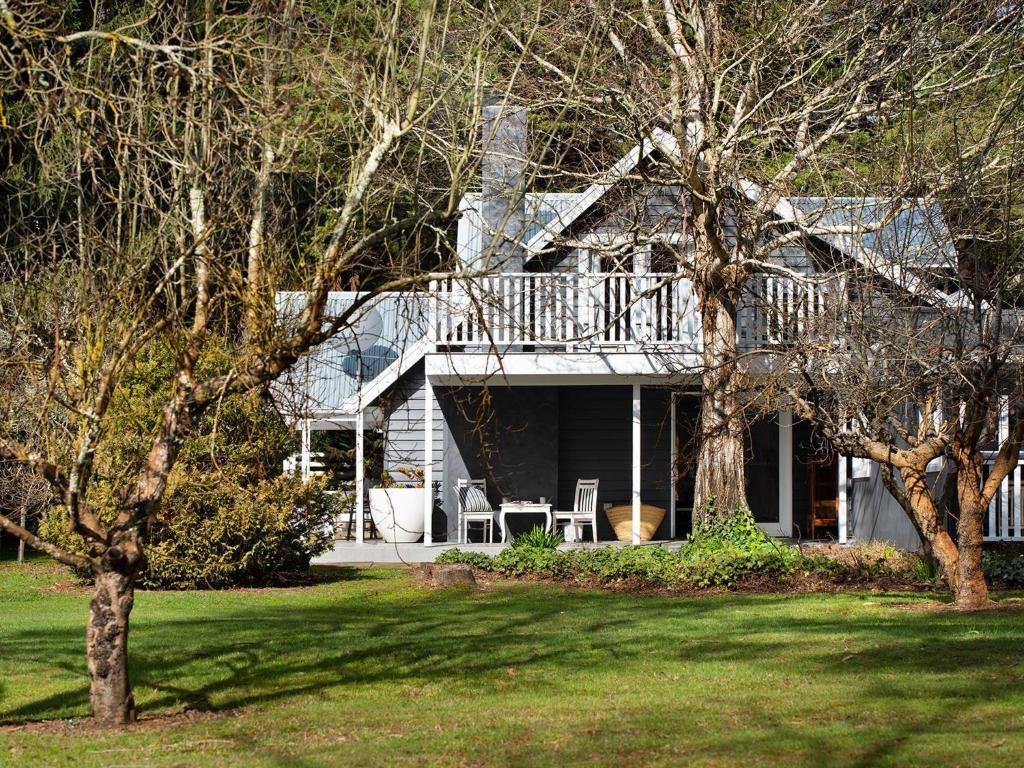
(721, 479)
(971, 591)
(106, 639)
(917, 501)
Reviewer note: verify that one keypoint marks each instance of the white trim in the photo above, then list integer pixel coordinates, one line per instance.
(673, 470)
(636, 464)
(554, 368)
(784, 209)
(357, 506)
(304, 460)
(843, 502)
(785, 525)
(1018, 506)
(428, 462)
(373, 389)
(596, 191)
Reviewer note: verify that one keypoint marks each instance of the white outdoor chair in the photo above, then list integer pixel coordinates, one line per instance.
(584, 510)
(474, 508)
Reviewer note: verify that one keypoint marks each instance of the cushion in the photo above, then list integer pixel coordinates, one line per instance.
(475, 500)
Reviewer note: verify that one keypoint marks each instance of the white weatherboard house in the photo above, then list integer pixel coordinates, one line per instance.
(550, 362)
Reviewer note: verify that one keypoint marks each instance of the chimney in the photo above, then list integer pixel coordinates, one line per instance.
(503, 176)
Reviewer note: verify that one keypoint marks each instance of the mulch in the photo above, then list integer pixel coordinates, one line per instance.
(86, 725)
(795, 584)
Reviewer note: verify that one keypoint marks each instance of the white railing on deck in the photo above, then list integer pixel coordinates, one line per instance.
(567, 308)
(1006, 510)
(611, 309)
(776, 310)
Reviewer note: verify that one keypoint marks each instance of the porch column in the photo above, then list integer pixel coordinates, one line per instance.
(636, 464)
(304, 456)
(842, 498)
(786, 473)
(428, 461)
(357, 507)
(1004, 487)
(674, 458)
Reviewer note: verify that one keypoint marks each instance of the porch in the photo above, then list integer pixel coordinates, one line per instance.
(534, 442)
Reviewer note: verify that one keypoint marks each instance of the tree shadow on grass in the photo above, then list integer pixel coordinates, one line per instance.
(381, 631)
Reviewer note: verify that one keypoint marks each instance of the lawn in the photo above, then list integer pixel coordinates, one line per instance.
(368, 669)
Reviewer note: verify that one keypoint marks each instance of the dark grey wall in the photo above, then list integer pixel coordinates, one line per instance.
(530, 442)
(762, 470)
(507, 436)
(537, 441)
(595, 440)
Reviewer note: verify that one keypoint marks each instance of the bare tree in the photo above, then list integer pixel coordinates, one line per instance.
(760, 101)
(23, 495)
(917, 365)
(169, 176)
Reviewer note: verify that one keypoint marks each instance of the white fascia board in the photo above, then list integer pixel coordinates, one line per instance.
(562, 368)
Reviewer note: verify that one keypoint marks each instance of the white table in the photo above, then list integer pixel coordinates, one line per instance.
(523, 508)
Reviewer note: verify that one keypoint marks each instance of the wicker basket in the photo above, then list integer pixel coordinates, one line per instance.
(621, 518)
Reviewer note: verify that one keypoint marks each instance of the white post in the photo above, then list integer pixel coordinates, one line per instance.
(786, 473)
(1004, 487)
(673, 476)
(357, 506)
(428, 461)
(842, 499)
(1018, 503)
(636, 464)
(304, 455)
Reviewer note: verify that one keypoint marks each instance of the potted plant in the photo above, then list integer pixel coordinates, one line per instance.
(397, 509)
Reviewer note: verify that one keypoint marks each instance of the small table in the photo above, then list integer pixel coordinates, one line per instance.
(523, 508)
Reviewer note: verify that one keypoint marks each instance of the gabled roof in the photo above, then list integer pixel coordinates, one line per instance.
(622, 168)
(918, 229)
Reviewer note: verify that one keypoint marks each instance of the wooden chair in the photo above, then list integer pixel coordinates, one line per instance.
(474, 508)
(584, 509)
(824, 504)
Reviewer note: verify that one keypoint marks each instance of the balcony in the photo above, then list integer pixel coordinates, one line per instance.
(610, 311)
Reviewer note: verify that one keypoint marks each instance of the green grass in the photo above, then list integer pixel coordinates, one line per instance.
(370, 670)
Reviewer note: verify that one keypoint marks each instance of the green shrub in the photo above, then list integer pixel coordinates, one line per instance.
(722, 553)
(212, 534)
(1004, 566)
(648, 564)
(458, 556)
(725, 566)
(736, 530)
(228, 516)
(539, 538)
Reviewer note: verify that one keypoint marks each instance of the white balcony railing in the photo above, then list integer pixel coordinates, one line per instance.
(609, 309)
(776, 310)
(567, 308)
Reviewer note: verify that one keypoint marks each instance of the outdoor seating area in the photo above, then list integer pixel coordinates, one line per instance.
(475, 508)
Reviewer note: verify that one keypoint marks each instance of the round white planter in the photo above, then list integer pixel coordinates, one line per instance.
(397, 513)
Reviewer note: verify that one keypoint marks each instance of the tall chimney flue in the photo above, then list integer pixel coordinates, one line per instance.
(503, 188)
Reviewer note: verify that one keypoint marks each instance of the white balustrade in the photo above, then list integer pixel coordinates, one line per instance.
(1006, 508)
(611, 310)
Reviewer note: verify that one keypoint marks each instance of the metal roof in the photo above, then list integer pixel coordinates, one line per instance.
(380, 333)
